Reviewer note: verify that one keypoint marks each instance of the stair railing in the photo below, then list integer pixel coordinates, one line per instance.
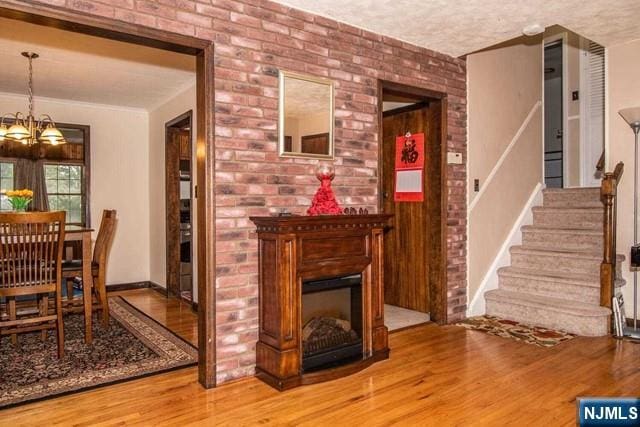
(600, 164)
(608, 194)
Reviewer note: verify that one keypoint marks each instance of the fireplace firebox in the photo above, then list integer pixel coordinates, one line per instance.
(321, 297)
(332, 322)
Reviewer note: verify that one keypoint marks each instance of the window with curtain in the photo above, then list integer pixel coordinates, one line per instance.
(58, 175)
(6, 183)
(65, 190)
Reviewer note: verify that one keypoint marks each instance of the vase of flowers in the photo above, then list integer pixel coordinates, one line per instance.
(19, 199)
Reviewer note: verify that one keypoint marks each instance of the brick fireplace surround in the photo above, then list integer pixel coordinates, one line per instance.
(253, 39)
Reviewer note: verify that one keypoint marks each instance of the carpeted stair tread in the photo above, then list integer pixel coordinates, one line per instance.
(544, 246)
(573, 308)
(572, 197)
(551, 276)
(594, 231)
(572, 190)
(592, 255)
(580, 239)
(568, 218)
(567, 209)
(563, 285)
(575, 227)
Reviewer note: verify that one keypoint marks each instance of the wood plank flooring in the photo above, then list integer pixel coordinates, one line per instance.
(175, 314)
(436, 376)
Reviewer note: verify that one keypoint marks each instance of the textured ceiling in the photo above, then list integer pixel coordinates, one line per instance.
(458, 27)
(90, 69)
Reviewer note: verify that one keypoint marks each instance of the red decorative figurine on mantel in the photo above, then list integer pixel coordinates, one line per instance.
(324, 202)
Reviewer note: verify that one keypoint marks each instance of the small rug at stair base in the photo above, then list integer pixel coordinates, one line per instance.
(133, 346)
(542, 337)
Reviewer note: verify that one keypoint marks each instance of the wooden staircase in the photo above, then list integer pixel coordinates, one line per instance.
(555, 276)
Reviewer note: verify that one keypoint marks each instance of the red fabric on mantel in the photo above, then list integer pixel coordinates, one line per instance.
(324, 202)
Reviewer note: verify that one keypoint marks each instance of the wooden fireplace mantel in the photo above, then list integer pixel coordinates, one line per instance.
(301, 248)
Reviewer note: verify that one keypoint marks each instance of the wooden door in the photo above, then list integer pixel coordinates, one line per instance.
(172, 183)
(315, 144)
(412, 246)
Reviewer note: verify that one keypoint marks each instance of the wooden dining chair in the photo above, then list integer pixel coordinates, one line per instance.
(72, 270)
(31, 246)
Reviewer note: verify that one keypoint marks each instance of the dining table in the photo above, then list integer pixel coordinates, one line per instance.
(74, 233)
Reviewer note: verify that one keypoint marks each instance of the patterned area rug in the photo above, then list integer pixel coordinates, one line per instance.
(535, 335)
(133, 346)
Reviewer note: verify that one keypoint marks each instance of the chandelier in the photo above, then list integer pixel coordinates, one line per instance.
(26, 129)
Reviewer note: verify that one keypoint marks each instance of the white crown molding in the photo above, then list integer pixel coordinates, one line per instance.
(182, 89)
(70, 102)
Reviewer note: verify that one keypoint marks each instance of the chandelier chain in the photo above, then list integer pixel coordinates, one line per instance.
(26, 129)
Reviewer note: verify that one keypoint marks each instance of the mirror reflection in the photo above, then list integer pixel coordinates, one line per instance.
(306, 116)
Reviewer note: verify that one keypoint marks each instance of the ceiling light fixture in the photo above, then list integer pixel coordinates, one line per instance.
(532, 29)
(26, 129)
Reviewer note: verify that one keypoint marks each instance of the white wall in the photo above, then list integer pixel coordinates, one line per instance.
(624, 91)
(311, 124)
(505, 147)
(158, 117)
(119, 175)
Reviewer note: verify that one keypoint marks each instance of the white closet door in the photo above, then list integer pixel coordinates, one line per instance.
(593, 131)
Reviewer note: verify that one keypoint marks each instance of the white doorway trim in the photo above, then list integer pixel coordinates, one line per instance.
(584, 92)
(562, 37)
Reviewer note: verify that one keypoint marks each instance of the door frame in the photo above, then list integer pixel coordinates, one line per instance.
(560, 38)
(203, 51)
(182, 117)
(438, 295)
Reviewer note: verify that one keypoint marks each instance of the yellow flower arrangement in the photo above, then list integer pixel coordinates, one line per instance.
(19, 199)
(20, 193)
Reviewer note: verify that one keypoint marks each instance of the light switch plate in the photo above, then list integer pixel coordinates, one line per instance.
(454, 158)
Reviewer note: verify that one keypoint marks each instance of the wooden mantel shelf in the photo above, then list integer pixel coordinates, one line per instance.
(282, 224)
(296, 249)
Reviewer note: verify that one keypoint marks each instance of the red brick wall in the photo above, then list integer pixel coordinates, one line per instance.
(253, 39)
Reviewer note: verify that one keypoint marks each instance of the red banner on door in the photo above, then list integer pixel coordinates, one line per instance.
(409, 168)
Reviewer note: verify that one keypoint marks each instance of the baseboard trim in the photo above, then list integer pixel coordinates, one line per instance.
(147, 284)
(158, 288)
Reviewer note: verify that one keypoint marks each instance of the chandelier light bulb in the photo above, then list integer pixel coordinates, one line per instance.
(17, 132)
(52, 135)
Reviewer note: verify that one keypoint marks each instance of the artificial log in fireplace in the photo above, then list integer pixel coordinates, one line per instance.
(321, 297)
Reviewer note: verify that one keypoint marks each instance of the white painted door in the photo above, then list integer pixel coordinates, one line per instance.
(593, 105)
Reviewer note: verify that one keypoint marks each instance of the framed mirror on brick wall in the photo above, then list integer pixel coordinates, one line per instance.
(305, 125)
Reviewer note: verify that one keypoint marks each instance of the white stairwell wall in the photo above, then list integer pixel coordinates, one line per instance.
(477, 306)
(504, 152)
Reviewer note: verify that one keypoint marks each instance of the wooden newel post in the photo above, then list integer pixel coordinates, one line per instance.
(607, 268)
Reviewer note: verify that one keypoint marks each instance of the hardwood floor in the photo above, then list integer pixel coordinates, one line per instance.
(436, 376)
(175, 314)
